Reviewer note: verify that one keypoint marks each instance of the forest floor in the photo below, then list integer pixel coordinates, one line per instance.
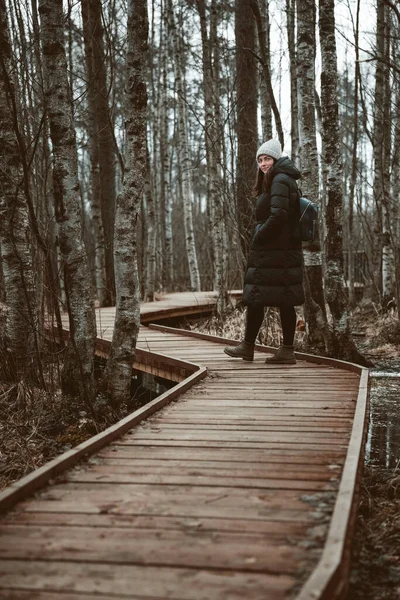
(36, 427)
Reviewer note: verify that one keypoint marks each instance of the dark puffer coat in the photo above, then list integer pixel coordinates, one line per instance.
(274, 275)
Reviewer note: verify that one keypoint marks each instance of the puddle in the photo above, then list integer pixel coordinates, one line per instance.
(383, 443)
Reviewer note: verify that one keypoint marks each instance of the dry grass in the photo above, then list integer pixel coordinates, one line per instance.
(233, 326)
(36, 426)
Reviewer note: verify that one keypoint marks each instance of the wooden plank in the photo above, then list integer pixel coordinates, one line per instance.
(242, 445)
(169, 500)
(205, 550)
(149, 582)
(18, 594)
(275, 529)
(209, 479)
(223, 453)
(234, 436)
(259, 469)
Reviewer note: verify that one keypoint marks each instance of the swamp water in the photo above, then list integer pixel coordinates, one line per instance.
(383, 442)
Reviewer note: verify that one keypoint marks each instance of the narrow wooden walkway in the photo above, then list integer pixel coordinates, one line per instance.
(242, 488)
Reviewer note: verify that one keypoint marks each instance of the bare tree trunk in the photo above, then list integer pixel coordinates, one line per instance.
(317, 336)
(388, 245)
(263, 45)
(379, 148)
(353, 176)
(106, 144)
(266, 115)
(187, 193)
(246, 128)
(78, 366)
(341, 344)
(294, 111)
(118, 372)
(151, 236)
(95, 196)
(213, 157)
(20, 340)
(396, 185)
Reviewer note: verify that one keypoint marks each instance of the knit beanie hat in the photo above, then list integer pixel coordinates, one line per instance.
(271, 148)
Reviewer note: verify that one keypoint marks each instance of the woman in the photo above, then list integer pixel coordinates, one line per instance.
(274, 275)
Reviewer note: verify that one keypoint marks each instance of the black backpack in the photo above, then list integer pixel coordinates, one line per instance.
(308, 220)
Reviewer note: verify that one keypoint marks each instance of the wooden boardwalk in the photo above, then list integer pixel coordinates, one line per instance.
(242, 487)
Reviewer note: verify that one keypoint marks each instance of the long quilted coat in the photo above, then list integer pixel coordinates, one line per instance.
(274, 275)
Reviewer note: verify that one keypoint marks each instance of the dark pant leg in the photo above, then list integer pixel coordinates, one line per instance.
(254, 319)
(288, 322)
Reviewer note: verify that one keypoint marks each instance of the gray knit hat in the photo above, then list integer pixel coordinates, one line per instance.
(271, 148)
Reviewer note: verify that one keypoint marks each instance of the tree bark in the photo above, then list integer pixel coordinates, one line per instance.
(95, 196)
(263, 45)
(106, 144)
(294, 111)
(379, 150)
(246, 126)
(118, 372)
(151, 235)
(341, 343)
(266, 114)
(78, 370)
(214, 179)
(316, 336)
(20, 332)
(184, 159)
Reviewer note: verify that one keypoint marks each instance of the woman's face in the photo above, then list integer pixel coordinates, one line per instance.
(265, 162)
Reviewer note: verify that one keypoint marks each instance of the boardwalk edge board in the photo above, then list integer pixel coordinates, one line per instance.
(40, 477)
(173, 369)
(328, 581)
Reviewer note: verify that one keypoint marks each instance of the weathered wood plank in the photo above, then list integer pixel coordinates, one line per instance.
(235, 551)
(274, 529)
(224, 453)
(149, 581)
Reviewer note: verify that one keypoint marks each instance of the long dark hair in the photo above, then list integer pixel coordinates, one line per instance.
(263, 181)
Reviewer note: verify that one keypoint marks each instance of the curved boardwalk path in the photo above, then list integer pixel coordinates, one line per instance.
(242, 487)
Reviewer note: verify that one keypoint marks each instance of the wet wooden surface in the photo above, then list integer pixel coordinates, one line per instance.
(225, 493)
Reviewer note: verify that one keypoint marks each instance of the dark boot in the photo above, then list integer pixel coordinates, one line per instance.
(243, 350)
(283, 356)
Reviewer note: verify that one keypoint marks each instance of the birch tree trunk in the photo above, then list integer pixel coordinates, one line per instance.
(151, 235)
(20, 333)
(78, 365)
(94, 156)
(214, 179)
(388, 244)
(263, 45)
(294, 111)
(266, 116)
(396, 185)
(314, 308)
(118, 371)
(166, 249)
(105, 139)
(379, 148)
(353, 176)
(341, 344)
(187, 193)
